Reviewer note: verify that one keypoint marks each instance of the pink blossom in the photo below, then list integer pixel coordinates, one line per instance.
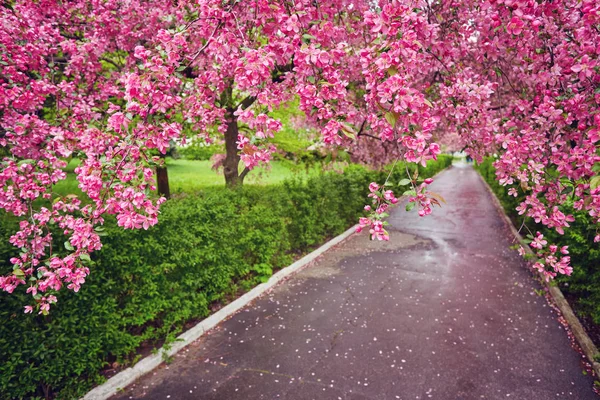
(515, 26)
(539, 242)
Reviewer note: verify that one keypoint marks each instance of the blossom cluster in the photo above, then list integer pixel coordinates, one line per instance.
(381, 200)
(550, 259)
(60, 94)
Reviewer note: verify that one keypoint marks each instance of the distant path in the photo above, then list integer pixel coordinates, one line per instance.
(443, 311)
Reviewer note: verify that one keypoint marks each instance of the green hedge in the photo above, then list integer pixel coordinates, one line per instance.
(145, 285)
(584, 283)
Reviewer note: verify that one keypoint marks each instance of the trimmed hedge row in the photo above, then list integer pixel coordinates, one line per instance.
(145, 285)
(584, 283)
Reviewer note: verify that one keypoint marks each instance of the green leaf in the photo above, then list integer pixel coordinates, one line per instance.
(348, 130)
(568, 190)
(410, 206)
(410, 192)
(68, 246)
(404, 182)
(595, 182)
(391, 118)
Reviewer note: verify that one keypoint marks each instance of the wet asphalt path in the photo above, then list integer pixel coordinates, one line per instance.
(443, 311)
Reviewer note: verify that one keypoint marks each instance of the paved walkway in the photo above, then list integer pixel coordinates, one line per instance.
(443, 311)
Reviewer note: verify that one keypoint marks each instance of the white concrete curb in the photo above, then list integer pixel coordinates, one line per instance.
(587, 345)
(129, 375)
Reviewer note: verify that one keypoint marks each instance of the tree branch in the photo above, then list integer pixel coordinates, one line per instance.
(247, 102)
(276, 77)
(212, 35)
(244, 173)
(371, 136)
(438, 59)
(362, 126)
(280, 70)
(117, 66)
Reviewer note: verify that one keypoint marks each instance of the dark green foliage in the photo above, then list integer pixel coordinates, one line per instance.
(584, 283)
(487, 171)
(145, 285)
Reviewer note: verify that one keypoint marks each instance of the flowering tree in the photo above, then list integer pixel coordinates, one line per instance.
(529, 91)
(108, 80)
(60, 86)
(516, 78)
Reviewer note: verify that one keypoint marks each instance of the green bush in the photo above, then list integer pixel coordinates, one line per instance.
(584, 283)
(145, 285)
(509, 203)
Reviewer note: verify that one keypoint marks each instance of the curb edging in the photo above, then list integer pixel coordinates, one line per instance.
(126, 377)
(587, 345)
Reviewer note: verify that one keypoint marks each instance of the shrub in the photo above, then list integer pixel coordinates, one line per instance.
(584, 283)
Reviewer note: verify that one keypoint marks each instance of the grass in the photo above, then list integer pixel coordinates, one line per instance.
(190, 175)
(69, 185)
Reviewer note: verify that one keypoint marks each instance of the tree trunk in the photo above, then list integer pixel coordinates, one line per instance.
(162, 180)
(232, 157)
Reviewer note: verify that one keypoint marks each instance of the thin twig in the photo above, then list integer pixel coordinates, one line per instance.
(368, 135)
(390, 174)
(207, 43)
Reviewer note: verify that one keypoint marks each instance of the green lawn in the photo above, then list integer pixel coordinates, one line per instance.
(188, 175)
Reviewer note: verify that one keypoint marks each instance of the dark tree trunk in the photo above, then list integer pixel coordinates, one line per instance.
(162, 180)
(233, 178)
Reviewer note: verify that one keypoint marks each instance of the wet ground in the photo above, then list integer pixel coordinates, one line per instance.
(445, 310)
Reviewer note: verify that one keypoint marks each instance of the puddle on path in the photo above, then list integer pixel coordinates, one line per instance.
(358, 244)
